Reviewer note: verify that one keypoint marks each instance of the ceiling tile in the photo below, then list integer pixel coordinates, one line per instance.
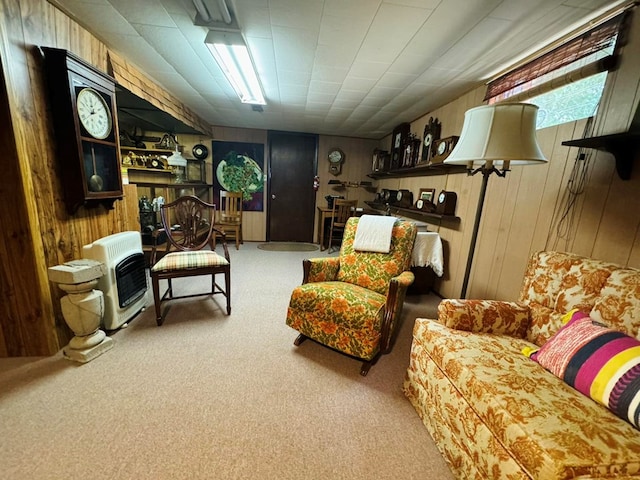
(341, 67)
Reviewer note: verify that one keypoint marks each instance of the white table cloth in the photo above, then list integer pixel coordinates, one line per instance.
(427, 252)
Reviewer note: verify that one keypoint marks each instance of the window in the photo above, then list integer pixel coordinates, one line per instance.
(567, 82)
(573, 101)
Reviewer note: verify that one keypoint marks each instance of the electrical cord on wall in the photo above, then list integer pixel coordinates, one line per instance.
(563, 221)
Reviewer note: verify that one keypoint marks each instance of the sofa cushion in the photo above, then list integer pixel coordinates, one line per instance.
(619, 303)
(598, 361)
(552, 431)
(544, 322)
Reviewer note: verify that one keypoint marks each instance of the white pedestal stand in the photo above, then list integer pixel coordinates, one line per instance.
(82, 308)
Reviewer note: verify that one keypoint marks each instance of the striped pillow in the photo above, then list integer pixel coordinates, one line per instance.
(598, 361)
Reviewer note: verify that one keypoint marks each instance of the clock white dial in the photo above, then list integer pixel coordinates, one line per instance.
(335, 156)
(442, 146)
(442, 197)
(94, 113)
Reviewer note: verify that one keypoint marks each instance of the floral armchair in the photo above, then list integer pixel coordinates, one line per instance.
(352, 303)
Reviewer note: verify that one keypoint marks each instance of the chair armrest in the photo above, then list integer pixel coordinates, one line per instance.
(393, 307)
(223, 241)
(485, 316)
(405, 279)
(154, 245)
(320, 269)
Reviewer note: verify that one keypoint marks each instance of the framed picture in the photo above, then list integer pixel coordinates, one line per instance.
(239, 167)
(427, 194)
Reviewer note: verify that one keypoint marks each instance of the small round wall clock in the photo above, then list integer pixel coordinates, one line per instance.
(200, 152)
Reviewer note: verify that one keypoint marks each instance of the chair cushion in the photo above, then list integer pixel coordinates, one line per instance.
(186, 260)
(340, 315)
(599, 362)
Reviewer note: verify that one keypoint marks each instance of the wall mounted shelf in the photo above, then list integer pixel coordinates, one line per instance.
(419, 171)
(341, 184)
(427, 217)
(623, 146)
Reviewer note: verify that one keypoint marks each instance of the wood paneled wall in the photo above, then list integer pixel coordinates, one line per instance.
(522, 211)
(37, 231)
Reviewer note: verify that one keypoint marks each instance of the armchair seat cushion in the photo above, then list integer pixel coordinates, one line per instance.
(187, 260)
(340, 313)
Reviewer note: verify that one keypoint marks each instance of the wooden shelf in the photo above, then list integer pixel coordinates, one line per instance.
(432, 218)
(339, 184)
(420, 171)
(623, 147)
(145, 151)
(147, 169)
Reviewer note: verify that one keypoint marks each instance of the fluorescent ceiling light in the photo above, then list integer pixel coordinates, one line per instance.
(231, 54)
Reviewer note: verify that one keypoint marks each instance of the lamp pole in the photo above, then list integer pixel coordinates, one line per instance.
(486, 171)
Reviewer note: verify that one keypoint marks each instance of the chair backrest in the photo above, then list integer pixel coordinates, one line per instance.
(374, 270)
(188, 222)
(342, 210)
(230, 207)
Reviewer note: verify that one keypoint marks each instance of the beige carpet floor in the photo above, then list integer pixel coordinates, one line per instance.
(210, 396)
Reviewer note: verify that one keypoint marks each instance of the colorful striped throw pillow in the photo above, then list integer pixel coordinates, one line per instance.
(598, 361)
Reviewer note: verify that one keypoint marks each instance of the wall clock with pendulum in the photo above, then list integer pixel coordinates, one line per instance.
(83, 108)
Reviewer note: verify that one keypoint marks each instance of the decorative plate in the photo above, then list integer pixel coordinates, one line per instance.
(200, 151)
(242, 175)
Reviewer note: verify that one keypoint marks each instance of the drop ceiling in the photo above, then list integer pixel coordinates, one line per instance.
(337, 67)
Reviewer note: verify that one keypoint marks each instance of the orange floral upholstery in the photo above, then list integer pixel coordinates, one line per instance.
(496, 414)
(351, 303)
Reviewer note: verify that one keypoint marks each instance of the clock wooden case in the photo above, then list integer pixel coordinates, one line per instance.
(83, 110)
(443, 148)
(446, 203)
(398, 142)
(336, 159)
(431, 134)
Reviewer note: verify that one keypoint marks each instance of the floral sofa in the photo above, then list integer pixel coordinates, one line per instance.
(493, 412)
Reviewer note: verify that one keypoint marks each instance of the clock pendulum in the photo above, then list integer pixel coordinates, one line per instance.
(95, 182)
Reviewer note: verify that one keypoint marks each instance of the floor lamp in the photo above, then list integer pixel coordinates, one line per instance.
(493, 138)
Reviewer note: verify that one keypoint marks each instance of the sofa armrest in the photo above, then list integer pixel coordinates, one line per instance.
(485, 316)
(320, 269)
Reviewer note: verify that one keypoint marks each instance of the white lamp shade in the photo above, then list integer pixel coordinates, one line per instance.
(504, 132)
(177, 160)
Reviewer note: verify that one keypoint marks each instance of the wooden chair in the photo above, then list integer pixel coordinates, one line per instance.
(230, 216)
(189, 225)
(342, 210)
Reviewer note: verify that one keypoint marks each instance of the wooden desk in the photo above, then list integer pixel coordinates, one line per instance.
(323, 214)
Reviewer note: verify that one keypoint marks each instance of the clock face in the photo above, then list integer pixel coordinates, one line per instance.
(399, 195)
(420, 204)
(336, 156)
(428, 139)
(442, 197)
(200, 152)
(442, 147)
(94, 113)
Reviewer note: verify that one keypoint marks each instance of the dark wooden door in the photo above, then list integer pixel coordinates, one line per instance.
(291, 198)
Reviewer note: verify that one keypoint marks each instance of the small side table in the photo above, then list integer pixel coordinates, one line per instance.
(82, 308)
